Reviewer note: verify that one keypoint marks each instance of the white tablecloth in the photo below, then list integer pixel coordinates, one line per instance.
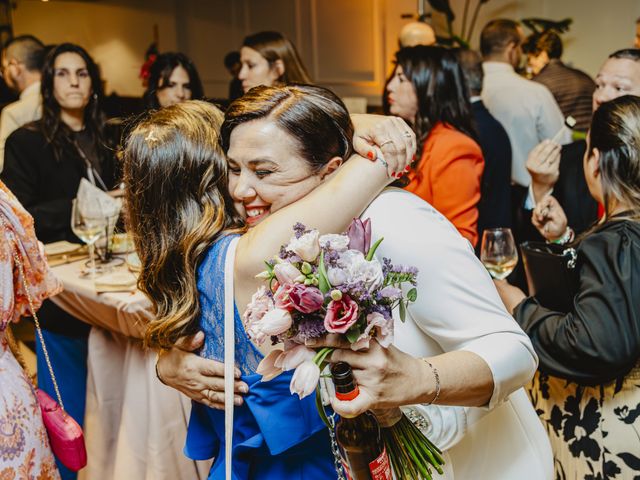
(134, 425)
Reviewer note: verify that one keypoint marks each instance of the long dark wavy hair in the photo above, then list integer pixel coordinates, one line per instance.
(57, 133)
(160, 73)
(440, 87)
(615, 132)
(177, 204)
(314, 116)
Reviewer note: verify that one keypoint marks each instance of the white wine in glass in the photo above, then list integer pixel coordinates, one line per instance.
(498, 252)
(88, 229)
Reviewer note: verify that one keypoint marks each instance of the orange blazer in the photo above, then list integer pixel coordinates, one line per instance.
(448, 176)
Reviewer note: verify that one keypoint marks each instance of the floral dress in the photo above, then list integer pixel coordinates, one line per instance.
(24, 447)
(594, 431)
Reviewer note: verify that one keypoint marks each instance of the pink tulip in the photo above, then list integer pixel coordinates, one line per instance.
(305, 379)
(341, 314)
(306, 299)
(359, 234)
(275, 322)
(286, 273)
(281, 297)
(267, 367)
(290, 359)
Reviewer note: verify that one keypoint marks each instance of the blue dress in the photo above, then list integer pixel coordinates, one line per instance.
(276, 435)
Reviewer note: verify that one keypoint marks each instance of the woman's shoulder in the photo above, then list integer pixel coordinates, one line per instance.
(29, 134)
(612, 238)
(444, 137)
(212, 263)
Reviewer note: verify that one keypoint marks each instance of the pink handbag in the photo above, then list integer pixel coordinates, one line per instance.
(65, 435)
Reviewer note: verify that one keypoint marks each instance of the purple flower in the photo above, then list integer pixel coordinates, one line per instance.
(331, 258)
(305, 299)
(299, 229)
(359, 234)
(309, 327)
(389, 293)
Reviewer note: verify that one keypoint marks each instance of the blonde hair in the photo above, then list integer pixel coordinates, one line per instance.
(177, 202)
(615, 132)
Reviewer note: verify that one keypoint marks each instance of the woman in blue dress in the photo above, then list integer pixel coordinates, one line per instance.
(185, 227)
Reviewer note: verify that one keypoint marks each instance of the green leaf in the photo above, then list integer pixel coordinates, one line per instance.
(353, 334)
(269, 267)
(320, 408)
(323, 281)
(374, 247)
(412, 295)
(403, 311)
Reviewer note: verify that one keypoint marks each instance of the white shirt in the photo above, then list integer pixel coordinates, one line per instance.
(526, 109)
(458, 308)
(26, 109)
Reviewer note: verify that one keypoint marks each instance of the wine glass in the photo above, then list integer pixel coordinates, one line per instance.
(498, 252)
(88, 224)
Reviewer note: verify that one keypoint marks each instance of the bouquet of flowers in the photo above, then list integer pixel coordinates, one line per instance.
(320, 284)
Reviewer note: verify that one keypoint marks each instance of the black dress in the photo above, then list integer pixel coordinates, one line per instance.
(46, 186)
(587, 390)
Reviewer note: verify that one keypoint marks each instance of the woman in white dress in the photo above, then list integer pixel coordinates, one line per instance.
(459, 322)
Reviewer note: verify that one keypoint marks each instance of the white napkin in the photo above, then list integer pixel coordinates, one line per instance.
(95, 203)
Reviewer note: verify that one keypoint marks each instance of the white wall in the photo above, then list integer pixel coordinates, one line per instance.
(116, 33)
(598, 29)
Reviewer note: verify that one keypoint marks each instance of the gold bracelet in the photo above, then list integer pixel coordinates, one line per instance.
(436, 375)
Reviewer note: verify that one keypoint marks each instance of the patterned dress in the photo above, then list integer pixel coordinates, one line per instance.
(24, 447)
(594, 431)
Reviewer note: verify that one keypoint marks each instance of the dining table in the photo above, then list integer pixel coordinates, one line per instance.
(134, 426)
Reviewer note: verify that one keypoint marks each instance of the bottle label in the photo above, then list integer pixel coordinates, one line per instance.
(381, 467)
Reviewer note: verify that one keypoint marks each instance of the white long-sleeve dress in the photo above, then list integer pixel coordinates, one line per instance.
(458, 308)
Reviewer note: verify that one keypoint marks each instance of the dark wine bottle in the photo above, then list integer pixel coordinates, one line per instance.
(363, 453)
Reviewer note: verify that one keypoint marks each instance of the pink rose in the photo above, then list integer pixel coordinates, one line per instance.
(286, 272)
(306, 299)
(281, 297)
(341, 314)
(275, 322)
(384, 332)
(305, 379)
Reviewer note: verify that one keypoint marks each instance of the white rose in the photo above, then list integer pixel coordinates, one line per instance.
(359, 269)
(336, 276)
(332, 241)
(306, 247)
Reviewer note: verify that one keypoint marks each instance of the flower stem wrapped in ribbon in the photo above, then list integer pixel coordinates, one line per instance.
(320, 284)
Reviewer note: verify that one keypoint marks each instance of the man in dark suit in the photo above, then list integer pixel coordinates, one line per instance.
(495, 191)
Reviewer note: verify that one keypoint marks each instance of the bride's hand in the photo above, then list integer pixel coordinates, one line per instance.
(386, 377)
(393, 141)
(200, 379)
